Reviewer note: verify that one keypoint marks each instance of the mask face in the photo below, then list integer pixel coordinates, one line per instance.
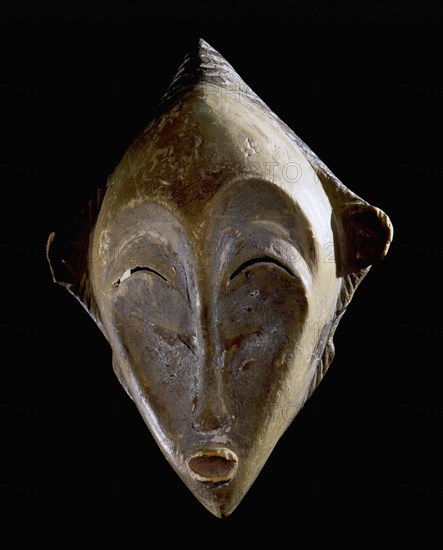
(218, 263)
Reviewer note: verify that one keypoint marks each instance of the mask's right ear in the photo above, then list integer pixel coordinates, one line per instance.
(68, 256)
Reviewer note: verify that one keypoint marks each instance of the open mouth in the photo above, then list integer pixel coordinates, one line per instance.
(213, 466)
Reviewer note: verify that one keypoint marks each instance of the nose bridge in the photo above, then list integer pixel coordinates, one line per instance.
(209, 410)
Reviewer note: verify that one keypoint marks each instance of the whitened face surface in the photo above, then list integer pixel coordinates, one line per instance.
(217, 267)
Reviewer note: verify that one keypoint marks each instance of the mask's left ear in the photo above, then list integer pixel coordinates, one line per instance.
(365, 234)
(68, 256)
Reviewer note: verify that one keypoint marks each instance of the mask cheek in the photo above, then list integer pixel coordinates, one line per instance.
(263, 318)
(153, 328)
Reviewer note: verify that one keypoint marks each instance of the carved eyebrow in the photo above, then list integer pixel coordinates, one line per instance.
(151, 236)
(129, 272)
(305, 247)
(261, 260)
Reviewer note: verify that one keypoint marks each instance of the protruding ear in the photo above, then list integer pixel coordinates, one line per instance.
(366, 232)
(67, 252)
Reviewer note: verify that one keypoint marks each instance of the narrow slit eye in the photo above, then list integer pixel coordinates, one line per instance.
(261, 260)
(129, 272)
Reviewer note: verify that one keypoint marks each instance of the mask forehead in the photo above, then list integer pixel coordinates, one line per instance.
(201, 143)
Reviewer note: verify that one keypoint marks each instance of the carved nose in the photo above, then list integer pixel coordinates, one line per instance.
(209, 419)
(210, 412)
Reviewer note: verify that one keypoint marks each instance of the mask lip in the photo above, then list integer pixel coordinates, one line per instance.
(215, 465)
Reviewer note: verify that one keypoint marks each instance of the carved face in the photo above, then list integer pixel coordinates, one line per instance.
(217, 265)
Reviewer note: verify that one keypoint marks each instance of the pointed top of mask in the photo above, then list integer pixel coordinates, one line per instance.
(205, 66)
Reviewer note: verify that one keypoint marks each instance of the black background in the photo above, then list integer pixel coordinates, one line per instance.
(361, 462)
